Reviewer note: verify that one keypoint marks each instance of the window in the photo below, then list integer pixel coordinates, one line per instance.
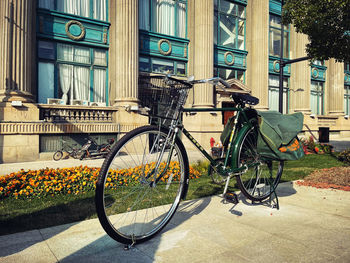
(346, 66)
(72, 73)
(229, 24)
(317, 97)
(95, 9)
(225, 73)
(274, 93)
(159, 53)
(275, 37)
(347, 100)
(166, 17)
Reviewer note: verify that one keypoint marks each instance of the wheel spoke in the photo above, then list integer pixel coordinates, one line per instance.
(133, 207)
(261, 177)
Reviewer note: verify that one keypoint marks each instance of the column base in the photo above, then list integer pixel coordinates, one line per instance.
(8, 96)
(124, 102)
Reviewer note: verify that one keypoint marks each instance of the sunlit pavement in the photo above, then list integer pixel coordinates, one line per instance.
(312, 225)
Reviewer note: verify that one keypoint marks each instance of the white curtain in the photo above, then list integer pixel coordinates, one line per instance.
(82, 55)
(65, 52)
(81, 83)
(100, 10)
(99, 85)
(47, 4)
(274, 93)
(100, 58)
(74, 7)
(66, 80)
(181, 20)
(164, 16)
(144, 15)
(273, 99)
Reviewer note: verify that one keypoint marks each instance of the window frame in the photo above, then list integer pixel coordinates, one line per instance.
(286, 31)
(91, 65)
(151, 17)
(217, 15)
(347, 100)
(236, 70)
(286, 92)
(91, 10)
(319, 94)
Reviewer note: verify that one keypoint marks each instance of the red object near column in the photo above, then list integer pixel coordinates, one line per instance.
(212, 141)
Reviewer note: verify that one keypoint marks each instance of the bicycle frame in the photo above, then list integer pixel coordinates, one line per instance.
(235, 136)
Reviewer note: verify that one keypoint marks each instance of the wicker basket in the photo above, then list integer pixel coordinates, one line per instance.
(163, 96)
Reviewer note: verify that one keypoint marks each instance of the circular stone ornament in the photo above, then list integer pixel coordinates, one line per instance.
(276, 66)
(315, 72)
(75, 30)
(164, 47)
(229, 58)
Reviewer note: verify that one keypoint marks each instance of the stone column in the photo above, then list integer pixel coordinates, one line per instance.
(334, 90)
(124, 66)
(300, 79)
(203, 48)
(126, 37)
(17, 50)
(258, 50)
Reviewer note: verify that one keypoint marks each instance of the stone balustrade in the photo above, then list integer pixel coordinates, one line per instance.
(57, 113)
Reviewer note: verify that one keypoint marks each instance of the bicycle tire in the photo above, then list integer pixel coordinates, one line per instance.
(136, 210)
(57, 155)
(82, 156)
(215, 176)
(259, 181)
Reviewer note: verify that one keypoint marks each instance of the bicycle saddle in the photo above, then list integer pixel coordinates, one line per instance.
(245, 98)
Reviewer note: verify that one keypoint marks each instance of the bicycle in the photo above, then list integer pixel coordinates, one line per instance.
(69, 150)
(135, 207)
(100, 150)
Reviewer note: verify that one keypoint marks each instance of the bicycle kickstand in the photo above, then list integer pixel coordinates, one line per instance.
(276, 204)
(229, 197)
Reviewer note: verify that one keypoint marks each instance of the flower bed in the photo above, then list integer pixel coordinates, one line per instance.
(310, 147)
(76, 180)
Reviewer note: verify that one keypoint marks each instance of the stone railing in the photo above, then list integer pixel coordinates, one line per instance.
(58, 113)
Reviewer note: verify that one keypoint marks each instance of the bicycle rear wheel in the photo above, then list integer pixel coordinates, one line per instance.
(262, 176)
(57, 155)
(130, 206)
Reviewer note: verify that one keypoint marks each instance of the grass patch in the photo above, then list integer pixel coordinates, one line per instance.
(17, 215)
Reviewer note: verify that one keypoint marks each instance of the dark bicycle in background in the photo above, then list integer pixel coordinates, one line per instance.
(90, 149)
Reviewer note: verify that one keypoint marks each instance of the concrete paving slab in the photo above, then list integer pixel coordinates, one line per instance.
(312, 225)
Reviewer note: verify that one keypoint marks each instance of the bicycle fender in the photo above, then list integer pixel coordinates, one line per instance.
(186, 163)
(236, 144)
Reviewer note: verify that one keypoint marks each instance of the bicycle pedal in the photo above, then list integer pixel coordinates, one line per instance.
(231, 197)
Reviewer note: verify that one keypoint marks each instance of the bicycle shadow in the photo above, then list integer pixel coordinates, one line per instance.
(105, 249)
(284, 189)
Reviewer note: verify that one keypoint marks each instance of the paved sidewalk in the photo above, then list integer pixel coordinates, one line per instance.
(312, 225)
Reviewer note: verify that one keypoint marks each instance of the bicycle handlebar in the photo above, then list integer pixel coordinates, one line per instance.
(213, 81)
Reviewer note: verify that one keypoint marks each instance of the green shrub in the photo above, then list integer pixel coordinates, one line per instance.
(344, 156)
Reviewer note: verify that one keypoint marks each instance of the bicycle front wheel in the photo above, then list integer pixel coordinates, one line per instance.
(140, 185)
(262, 176)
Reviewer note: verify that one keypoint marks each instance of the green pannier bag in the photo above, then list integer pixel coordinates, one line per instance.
(277, 138)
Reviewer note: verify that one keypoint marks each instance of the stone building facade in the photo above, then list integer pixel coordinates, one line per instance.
(70, 68)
